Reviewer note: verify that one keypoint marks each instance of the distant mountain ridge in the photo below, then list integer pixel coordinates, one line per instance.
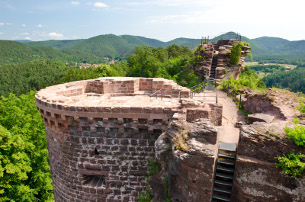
(112, 46)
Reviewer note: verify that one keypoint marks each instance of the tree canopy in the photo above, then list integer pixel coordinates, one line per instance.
(24, 166)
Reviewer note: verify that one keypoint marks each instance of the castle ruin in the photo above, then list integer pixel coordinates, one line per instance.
(100, 133)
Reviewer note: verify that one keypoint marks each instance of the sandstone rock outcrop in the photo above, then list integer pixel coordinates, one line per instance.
(190, 173)
(206, 53)
(256, 176)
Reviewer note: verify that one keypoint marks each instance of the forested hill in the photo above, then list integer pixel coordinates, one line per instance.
(121, 46)
(279, 48)
(16, 52)
(95, 49)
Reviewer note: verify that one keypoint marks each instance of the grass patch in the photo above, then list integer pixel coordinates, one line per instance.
(179, 140)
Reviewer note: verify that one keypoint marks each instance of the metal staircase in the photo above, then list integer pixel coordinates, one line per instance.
(213, 68)
(212, 78)
(224, 174)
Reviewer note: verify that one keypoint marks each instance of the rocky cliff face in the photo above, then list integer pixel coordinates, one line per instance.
(189, 169)
(256, 176)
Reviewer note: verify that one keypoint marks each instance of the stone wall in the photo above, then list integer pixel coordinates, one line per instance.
(100, 158)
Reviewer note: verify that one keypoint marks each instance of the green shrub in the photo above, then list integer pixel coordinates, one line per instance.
(291, 164)
(249, 55)
(297, 134)
(153, 167)
(244, 43)
(301, 107)
(235, 54)
(247, 78)
(146, 195)
(168, 198)
(295, 120)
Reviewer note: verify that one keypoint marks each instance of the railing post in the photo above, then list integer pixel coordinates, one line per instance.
(161, 93)
(216, 98)
(179, 95)
(239, 101)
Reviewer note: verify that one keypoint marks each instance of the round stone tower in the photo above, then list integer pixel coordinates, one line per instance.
(100, 133)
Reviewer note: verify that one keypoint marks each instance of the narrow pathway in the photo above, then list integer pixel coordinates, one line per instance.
(228, 132)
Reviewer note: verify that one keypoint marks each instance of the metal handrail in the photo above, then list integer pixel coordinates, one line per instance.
(203, 86)
(195, 86)
(156, 92)
(171, 90)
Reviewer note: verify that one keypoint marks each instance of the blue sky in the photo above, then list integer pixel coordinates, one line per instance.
(160, 19)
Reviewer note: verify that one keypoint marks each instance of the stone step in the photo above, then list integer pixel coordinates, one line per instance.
(221, 198)
(230, 163)
(225, 176)
(222, 182)
(229, 170)
(226, 156)
(222, 190)
(227, 146)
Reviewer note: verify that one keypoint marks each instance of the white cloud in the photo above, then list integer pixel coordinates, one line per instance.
(25, 33)
(55, 35)
(28, 38)
(100, 5)
(75, 3)
(1, 33)
(23, 25)
(39, 25)
(233, 12)
(1, 23)
(171, 3)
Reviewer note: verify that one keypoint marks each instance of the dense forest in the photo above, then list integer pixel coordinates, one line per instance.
(268, 68)
(24, 169)
(171, 62)
(292, 80)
